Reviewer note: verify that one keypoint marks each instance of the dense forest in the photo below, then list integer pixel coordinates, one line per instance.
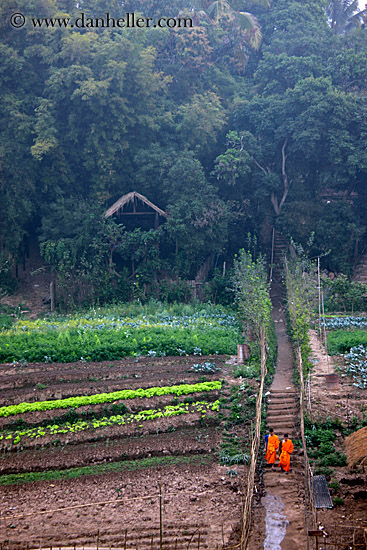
(253, 116)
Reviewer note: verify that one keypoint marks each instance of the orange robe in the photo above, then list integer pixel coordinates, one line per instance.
(285, 455)
(271, 449)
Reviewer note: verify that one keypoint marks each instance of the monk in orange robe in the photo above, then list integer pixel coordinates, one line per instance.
(271, 446)
(285, 455)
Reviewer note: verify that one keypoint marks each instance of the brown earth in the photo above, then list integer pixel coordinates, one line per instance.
(339, 399)
(201, 498)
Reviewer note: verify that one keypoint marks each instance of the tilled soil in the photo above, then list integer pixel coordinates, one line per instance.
(42, 381)
(198, 499)
(201, 503)
(338, 398)
(192, 440)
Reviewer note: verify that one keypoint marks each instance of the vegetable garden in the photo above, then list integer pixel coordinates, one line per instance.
(347, 338)
(166, 409)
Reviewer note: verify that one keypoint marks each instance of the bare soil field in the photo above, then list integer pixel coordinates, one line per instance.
(201, 498)
(344, 401)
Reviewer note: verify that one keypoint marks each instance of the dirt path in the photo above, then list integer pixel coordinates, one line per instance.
(278, 522)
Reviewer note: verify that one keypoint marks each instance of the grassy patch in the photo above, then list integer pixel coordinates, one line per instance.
(100, 469)
(341, 341)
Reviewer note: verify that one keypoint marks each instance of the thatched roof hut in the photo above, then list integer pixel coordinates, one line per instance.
(132, 199)
(356, 445)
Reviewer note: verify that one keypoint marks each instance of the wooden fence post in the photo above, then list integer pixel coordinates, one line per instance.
(160, 519)
(52, 295)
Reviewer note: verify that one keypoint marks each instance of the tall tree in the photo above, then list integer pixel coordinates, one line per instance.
(345, 15)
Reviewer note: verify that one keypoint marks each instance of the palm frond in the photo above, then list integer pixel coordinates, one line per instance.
(215, 9)
(248, 22)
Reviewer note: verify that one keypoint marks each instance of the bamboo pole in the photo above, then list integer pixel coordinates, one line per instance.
(272, 255)
(319, 292)
(325, 340)
(160, 519)
(246, 515)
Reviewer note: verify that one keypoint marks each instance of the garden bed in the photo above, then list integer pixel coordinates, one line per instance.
(180, 451)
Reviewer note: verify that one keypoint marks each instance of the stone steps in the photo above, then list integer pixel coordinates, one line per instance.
(284, 408)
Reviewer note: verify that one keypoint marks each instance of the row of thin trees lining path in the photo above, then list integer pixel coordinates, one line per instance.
(286, 490)
(278, 521)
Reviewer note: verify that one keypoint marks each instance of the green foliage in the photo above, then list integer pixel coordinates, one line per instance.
(342, 294)
(7, 317)
(301, 285)
(332, 459)
(344, 16)
(101, 345)
(7, 282)
(251, 290)
(247, 371)
(174, 291)
(224, 139)
(341, 341)
(75, 402)
(23, 436)
(337, 501)
(218, 290)
(321, 437)
(334, 485)
(206, 368)
(95, 337)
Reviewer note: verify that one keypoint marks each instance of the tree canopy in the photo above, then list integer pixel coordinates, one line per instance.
(254, 116)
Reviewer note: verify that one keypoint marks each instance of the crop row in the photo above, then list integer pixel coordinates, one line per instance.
(80, 401)
(17, 437)
(98, 323)
(73, 344)
(336, 323)
(357, 366)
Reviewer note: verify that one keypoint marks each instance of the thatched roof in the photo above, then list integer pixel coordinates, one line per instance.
(356, 445)
(130, 197)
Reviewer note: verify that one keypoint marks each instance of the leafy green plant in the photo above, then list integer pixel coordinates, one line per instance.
(99, 338)
(333, 459)
(206, 368)
(357, 365)
(247, 371)
(21, 436)
(334, 485)
(341, 341)
(80, 401)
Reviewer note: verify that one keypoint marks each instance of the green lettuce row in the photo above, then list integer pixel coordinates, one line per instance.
(18, 436)
(96, 399)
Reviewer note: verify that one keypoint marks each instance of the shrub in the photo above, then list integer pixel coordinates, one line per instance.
(333, 459)
(343, 294)
(175, 291)
(334, 485)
